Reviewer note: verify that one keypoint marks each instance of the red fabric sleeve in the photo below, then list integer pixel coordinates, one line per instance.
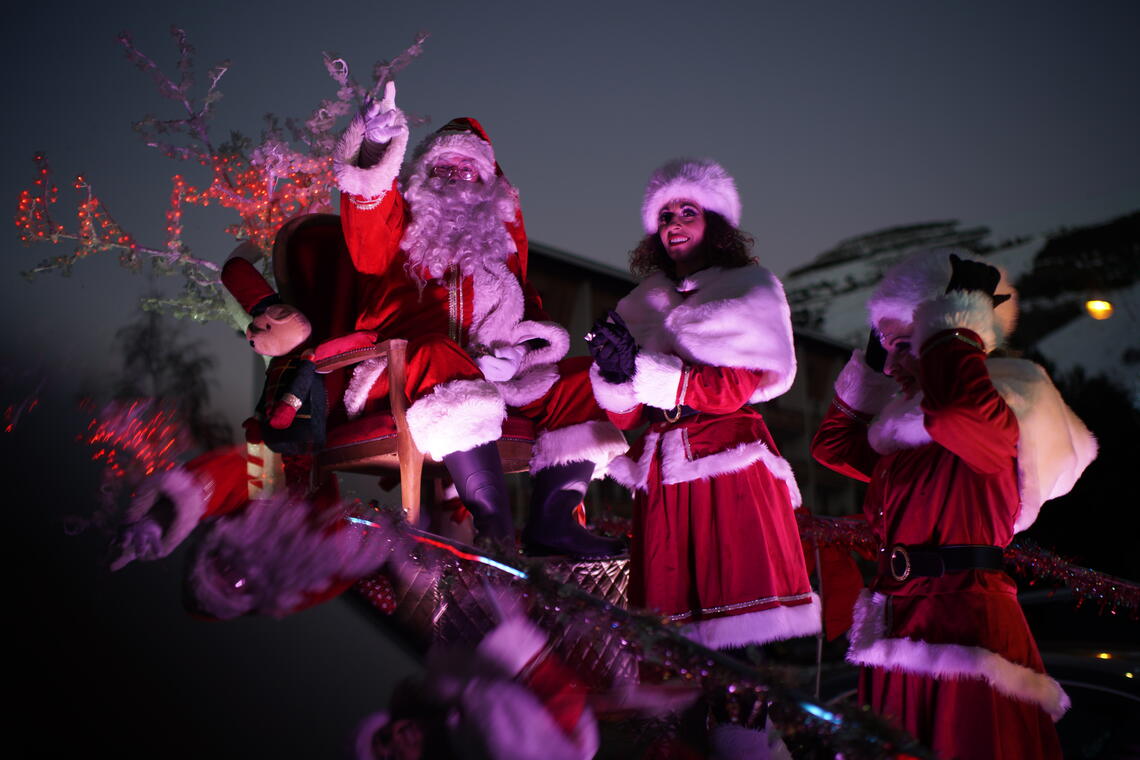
(964, 412)
(718, 390)
(224, 472)
(373, 235)
(841, 443)
(627, 420)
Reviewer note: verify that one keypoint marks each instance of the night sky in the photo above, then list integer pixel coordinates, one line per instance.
(835, 118)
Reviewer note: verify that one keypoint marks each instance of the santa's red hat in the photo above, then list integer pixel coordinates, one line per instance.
(464, 136)
(700, 180)
(246, 284)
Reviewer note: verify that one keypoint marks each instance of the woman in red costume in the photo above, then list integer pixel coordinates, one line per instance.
(960, 451)
(703, 336)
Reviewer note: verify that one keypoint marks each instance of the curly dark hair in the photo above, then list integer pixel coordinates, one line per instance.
(723, 246)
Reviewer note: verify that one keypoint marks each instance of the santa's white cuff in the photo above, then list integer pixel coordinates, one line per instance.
(456, 416)
(862, 388)
(658, 379)
(375, 181)
(972, 310)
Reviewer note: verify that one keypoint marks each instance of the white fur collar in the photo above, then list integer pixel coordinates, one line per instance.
(723, 317)
(899, 426)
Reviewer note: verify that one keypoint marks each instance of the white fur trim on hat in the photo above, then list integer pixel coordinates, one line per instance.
(467, 144)
(871, 646)
(971, 310)
(862, 388)
(772, 624)
(372, 183)
(700, 180)
(456, 416)
(924, 276)
(597, 441)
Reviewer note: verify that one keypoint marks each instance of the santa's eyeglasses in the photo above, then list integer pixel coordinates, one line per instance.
(460, 172)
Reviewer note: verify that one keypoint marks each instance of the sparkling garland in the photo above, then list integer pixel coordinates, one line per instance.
(854, 731)
(1023, 557)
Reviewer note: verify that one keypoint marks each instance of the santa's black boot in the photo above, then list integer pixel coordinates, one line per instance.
(482, 487)
(551, 527)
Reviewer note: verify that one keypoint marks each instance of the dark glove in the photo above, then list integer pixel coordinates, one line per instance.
(875, 356)
(974, 275)
(613, 348)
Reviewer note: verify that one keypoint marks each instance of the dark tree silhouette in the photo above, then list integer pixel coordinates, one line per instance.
(160, 362)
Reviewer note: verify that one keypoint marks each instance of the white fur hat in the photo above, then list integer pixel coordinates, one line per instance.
(924, 275)
(700, 180)
(464, 136)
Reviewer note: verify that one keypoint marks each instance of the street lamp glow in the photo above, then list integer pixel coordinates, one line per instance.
(1098, 309)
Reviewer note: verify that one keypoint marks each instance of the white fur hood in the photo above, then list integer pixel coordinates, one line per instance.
(722, 317)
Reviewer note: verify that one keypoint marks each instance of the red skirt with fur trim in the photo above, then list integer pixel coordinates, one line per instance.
(960, 718)
(720, 553)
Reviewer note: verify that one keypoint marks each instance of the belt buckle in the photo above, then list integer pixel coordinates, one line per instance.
(899, 552)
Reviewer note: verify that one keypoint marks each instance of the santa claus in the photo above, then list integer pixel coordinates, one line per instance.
(443, 264)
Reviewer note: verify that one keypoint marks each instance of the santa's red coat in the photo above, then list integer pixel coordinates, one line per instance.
(453, 408)
(948, 467)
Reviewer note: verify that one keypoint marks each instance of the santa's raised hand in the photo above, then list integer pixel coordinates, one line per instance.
(384, 120)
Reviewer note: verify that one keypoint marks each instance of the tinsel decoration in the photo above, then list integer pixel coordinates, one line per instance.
(265, 183)
(853, 731)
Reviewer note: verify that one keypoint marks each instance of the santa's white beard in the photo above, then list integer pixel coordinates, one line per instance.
(457, 225)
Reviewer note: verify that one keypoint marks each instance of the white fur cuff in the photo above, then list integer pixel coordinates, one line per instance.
(658, 380)
(613, 397)
(457, 416)
(862, 388)
(969, 309)
(596, 441)
(371, 183)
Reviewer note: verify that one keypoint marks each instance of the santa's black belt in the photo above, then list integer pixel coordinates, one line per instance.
(903, 562)
(670, 415)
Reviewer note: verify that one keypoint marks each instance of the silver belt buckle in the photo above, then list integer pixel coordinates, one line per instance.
(899, 551)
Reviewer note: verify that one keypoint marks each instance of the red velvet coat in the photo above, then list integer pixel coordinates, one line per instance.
(961, 463)
(715, 541)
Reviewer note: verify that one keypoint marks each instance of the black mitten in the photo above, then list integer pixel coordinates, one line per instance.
(974, 275)
(613, 348)
(875, 356)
